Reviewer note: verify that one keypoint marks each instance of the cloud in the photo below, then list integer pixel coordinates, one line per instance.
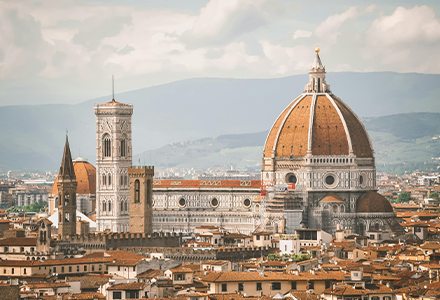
(301, 34)
(329, 28)
(408, 39)
(219, 22)
(93, 30)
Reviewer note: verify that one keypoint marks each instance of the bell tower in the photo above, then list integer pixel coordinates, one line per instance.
(66, 195)
(113, 158)
(141, 199)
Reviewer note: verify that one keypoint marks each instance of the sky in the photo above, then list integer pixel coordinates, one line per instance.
(66, 51)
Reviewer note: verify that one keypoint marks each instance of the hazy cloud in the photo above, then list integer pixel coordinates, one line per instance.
(221, 21)
(93, 30)
(408, 39)
(53, 39)
(302, 34)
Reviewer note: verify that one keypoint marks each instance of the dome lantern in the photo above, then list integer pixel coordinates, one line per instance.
(317, 82)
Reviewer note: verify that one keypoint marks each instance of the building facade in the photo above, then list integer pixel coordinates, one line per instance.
(319, 150)
(318, 171)
(113, 158)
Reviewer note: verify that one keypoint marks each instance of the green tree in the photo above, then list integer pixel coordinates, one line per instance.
(404, 197)
(434, 195)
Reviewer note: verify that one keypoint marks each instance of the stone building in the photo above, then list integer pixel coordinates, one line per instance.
(321, 152)
(113, 157)
(66, 195)
(141, 192)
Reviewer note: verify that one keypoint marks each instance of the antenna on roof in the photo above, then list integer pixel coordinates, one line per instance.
(113, 87)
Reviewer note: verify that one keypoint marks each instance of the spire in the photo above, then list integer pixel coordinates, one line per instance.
(317, 82)
(66, 170)
(318, 63)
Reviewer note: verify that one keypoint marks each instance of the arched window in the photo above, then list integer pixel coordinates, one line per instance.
(125, 179)
(121, 180)
(104, 179)
(109, 179)
(110, 206)
(123, 148)
(104, 206)
(107, 146)
(137, 191)
(122, 206)
(67, 217)
(149, 191)
(66, 199)
(126, 206)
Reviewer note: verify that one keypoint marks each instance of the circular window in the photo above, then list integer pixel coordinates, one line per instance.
(182, 202)
(291, 178)
(214, 202)
(247, 203)
(329, 179)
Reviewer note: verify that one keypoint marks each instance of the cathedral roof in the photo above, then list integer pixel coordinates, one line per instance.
(332, 198)
(113, 103)
(317, 123)
(85, 177)
(372, 202)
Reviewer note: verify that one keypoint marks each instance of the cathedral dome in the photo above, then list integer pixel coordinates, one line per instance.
(85, 177)
(372, 202)
(317, 123)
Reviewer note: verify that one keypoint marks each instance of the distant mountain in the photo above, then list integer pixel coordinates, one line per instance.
(395, 151)
(32, 137)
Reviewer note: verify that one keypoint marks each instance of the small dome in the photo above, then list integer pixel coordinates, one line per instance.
(332, 198)
(85, 177)
(372, 202)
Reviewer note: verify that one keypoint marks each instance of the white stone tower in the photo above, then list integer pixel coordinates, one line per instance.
(113, 157)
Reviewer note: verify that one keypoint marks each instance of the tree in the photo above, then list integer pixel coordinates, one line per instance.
(403, 197)
(434, 195)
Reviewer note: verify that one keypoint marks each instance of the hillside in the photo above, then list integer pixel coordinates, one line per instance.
(32, 137)
(395, 151)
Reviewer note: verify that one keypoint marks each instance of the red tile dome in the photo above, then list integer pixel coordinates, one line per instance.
(372, 202)
(319, 124)
(85, 177)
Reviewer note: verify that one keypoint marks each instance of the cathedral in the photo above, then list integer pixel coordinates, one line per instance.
(318, 172)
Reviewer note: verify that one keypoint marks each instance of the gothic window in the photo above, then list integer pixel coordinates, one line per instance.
(67, 217)
(137, 191)
(123, 148)
(104, 206)
(125, 179)
(126, 207)
(110, 206)
(109, 179)
(121, 180)
(66, 199)
(107, 146)
(149, 191)
(122, 206)
(104, 179)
